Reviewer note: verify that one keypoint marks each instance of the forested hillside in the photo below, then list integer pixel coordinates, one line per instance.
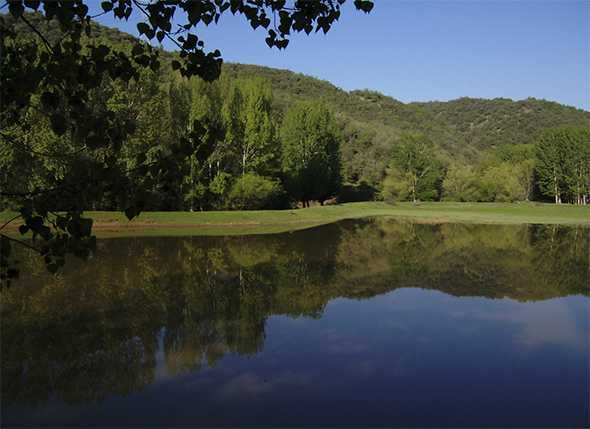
(466, 125)
(255, 122)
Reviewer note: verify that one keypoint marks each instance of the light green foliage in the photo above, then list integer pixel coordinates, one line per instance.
(415, 165)
(577, 165)
(461, 184)
(232, 116)
(220, 184)
(563, 164)
(501, 183)
(247, 142)
(397, 186)
(258, 147)
(253, 192)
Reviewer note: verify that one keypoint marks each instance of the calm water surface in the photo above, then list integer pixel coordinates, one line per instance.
(364, 323)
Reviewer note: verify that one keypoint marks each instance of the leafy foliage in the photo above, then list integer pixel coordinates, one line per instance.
(563, 164)
(253, 192)
(311, 157)
(414, 172)
(68, 76)
(94, 118)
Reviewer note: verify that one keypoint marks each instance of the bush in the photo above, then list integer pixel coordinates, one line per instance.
(396, 186)
(253, 192)
(352, 193)
(501, 184)
(461, 184)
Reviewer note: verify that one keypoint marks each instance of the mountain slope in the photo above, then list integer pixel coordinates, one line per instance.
(463, 128)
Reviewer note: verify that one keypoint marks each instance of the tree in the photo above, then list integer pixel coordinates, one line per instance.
(205, 135)
(310, 152)
(576, 164)
(397, 185)
(502, 183)
(562, 164)
(461, 184)
(253, 192)
(249, 144)
(415, 161)
(258, 146)
(62, 74)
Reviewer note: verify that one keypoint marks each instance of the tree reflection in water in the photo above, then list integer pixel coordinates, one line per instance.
(96, 329)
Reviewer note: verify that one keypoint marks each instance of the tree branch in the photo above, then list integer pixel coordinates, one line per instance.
(9, 221)
(22, 243)
(38, 33)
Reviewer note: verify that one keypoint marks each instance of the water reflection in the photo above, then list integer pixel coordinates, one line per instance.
(271, 330)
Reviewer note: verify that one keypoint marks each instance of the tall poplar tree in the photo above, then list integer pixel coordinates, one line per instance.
(310, 152)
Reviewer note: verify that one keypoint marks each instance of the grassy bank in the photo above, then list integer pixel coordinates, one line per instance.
(273, 221)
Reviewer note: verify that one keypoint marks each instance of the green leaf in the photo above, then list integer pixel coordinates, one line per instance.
(364, 5)
(143, 28)
(106, 6)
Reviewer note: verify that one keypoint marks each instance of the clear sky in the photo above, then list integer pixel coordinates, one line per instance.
(434, 50)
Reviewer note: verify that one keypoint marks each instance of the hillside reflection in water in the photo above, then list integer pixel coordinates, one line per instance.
(360, 323)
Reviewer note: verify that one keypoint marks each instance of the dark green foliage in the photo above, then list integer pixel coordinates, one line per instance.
(356, 193)
(310, 151)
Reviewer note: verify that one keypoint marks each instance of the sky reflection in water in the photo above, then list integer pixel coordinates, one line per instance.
(367, 323)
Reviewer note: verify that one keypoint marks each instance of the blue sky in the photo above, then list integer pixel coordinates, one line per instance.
(434, 50)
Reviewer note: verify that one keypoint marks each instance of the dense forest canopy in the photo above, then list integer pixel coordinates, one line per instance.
(258, 138)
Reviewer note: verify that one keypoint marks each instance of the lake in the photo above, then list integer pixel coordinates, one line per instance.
(358, 323)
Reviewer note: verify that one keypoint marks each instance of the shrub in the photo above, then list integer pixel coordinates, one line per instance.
(254, 192)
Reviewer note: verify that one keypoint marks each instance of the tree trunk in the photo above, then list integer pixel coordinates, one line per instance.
(555, 189)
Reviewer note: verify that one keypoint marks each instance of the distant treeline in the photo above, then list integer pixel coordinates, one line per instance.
(557, 166)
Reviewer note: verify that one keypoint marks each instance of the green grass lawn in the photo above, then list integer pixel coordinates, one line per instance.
(273, 221)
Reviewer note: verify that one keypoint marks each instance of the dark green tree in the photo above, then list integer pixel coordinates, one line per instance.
(310, 152)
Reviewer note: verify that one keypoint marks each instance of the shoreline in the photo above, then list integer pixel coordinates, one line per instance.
(114, 224)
